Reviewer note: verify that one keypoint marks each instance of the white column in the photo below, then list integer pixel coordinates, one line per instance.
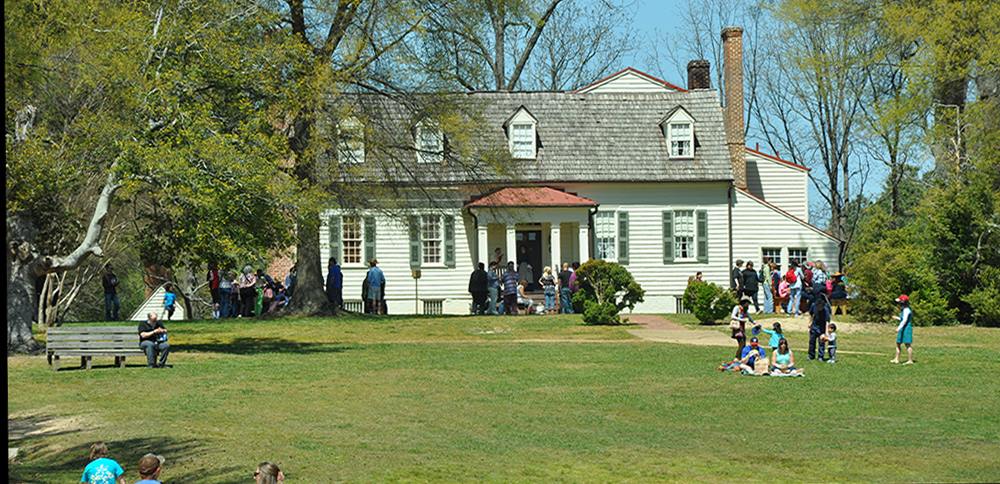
(555, 246)
(584, 243)
(511, 250)
(484, 248)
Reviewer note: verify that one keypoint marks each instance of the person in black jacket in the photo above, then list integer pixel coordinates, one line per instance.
(479, 287)
(750, 280)
(736, 279)
(111, 303)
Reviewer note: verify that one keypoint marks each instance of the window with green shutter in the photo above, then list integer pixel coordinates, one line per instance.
(703, 236)
(623, 238)
(334, 243)
(369, 238)
(668, 237)
(414, 242)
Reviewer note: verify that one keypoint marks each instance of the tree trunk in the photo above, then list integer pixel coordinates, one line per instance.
(22, 260)
(310, 298)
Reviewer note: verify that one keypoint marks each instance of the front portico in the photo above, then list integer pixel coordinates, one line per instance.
(545, 225)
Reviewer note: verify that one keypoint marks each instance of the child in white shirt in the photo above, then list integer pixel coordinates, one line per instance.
(829, 339)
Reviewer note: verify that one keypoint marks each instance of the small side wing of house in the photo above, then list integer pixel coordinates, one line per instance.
(154, 304)
(760, 227)
(779, 182)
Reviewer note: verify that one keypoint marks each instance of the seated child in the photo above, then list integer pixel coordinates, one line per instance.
(829, 339)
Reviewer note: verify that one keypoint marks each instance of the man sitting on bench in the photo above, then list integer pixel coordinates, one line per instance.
(153, 340)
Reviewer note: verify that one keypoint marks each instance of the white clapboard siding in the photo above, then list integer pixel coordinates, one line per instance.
(154, 304)
(757, 224)
(645, 204)
(779, 183)
(627, 81)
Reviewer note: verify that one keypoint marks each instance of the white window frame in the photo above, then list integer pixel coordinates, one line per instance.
(424, 155)
(361, 241)
(694, 235)
(613, 215)
(440, 239)
(678, 117)
(351, 142)
(805, 255)
(776, 259)
(522, 118)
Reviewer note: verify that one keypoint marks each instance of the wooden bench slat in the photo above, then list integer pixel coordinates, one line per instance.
(99, 353)
(93, 329)
(91, 337)
(83, 346)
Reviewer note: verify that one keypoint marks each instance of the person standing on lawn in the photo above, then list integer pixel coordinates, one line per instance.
(479, 288)
(764, 277)
(904, 332)
(738, 324)
(248, 291)
(565, 295)
(794, 277)
(335, 285)
(214, 281)
(376, 281)
(750, 282)
(169, 299)
(549, 283)
(153, 340)
(736, 279)
(101, 469)
(510, 290)
(820, 312)
(492, 288)
(111, 303)
(150, 466)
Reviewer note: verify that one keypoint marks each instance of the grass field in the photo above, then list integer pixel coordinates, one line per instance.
(530, 399)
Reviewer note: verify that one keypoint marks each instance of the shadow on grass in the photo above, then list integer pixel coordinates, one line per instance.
(40, 461)
(251, 346)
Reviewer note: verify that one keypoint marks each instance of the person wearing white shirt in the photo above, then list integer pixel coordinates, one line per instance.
(904, 332)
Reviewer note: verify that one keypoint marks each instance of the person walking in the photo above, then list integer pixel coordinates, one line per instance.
(169, 300)
(335, 285)
(904, 332)
(750, 285)
(738, 324)
(492, 288)
(565, 295)
(510, 290)
(820, 312)
(102, 469)
(376, 282)
(111, 302)
(479, 288)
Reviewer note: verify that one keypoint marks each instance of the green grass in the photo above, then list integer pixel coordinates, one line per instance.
(530, 399)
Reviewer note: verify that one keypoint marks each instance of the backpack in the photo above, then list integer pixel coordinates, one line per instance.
(790, 276)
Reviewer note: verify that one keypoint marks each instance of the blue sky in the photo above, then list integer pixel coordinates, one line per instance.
(650, 16)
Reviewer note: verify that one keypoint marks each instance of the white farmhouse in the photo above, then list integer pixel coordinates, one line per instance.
(630, 169)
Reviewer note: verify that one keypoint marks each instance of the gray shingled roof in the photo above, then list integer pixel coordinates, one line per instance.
(582, 137)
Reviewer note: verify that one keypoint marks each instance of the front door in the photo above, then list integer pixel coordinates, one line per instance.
(529, 249)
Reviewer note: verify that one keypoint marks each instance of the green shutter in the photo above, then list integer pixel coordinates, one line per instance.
(369, 238)
(415, 242)
(668, 237)
(335, 245)
(702, 236)
(449, 241)
(623, 238)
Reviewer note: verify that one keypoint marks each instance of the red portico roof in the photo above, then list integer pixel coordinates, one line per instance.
(531, 197)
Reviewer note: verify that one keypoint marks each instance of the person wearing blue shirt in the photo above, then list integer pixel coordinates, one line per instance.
(376, 280)
(510, 290)
(750, 354)
(169, 298)
(335, 285)
(776, 335)
(101, 469)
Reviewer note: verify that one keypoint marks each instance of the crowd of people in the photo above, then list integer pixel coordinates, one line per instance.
(102, 469)
(505, 291)
(248, 294)
(790, 292)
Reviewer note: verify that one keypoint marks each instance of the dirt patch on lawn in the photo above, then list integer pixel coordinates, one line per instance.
(40, 425)
(658, 328)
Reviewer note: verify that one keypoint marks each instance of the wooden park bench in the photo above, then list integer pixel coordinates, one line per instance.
(90, 341)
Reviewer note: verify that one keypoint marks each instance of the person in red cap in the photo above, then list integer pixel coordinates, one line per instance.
(904, 332)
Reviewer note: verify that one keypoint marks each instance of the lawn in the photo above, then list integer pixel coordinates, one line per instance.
(529, 399)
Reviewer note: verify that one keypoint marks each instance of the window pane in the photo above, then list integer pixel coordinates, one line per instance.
(430, 143)
(430, 235)
(797, 255)
(523, 140)
(680, 139)
(351, 145)
(684, 233)
(606, 235)
(351, 237)
(773, 254)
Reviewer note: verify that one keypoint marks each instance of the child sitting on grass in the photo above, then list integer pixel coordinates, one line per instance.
(829, 339)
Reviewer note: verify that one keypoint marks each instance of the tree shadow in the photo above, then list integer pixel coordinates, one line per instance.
(252, 346)
(37, 426)
(40, 462)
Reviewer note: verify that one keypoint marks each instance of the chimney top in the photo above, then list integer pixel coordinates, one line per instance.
(698, 75)
(732, 31)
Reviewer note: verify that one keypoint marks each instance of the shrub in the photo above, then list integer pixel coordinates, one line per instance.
(985, 300)
(708, 301)
(605, 290)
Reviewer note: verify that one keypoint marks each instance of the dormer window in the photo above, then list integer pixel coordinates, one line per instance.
(429, 143)
(678, 129)
(351, 142)
(522, 135)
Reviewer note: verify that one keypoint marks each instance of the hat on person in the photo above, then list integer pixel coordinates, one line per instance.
(753, 341)
(903, 298)
(838, 274)
(149, 463)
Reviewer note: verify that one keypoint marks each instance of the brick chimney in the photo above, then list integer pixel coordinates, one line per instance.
(732, 72)
(698, 76)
